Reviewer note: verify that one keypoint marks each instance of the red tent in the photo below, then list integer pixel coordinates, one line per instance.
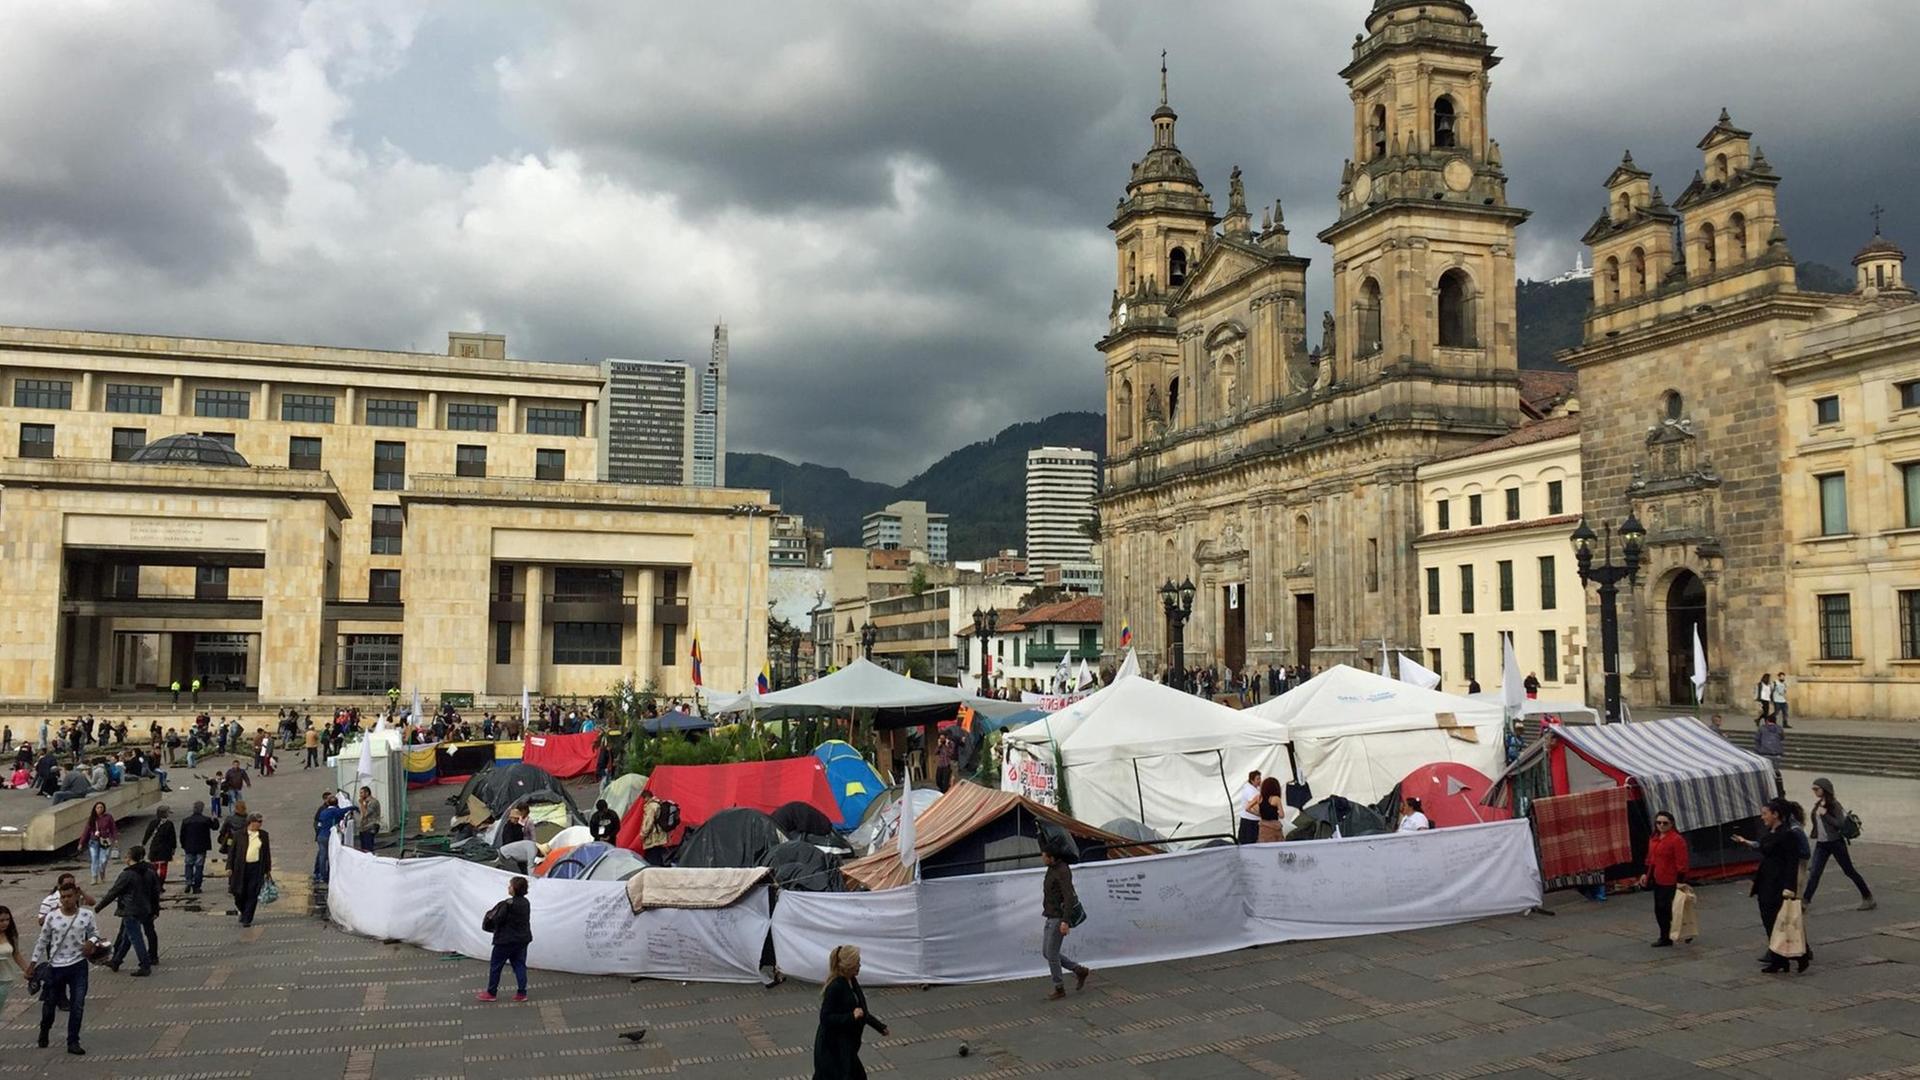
(565, 756)
(1450, 794)
(702, 791)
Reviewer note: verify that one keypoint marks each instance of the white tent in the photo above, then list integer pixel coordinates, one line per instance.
(1358, 734)
(1573, 712)
(1169, 760)
(862, 684)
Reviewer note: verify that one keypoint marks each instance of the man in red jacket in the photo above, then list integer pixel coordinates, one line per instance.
(1666, 872)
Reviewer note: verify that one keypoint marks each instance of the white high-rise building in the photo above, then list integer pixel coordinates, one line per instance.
(710, 420)
(1061, 484)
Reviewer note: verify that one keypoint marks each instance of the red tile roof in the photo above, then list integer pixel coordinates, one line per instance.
(1540, 391)
(1538, 431)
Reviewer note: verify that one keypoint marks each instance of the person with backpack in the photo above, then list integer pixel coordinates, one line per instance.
(511, 923)
(1833, 826)
(1061, 912)
(658, 818)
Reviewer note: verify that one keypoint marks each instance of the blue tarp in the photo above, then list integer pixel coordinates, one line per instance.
(675, 720)
(853, 782)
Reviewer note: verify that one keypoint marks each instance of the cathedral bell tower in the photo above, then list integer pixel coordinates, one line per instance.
(1161, 229)
(1423, 251)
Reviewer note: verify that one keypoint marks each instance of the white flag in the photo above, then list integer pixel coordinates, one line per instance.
(1129, 666)
(1061, 673)
(416, 707)
(1513, 690)
(1386, 666)
(1699, 667)
(1082, 678)
(905, 836)
(526, 708)
(364, 774)
(1411, 671)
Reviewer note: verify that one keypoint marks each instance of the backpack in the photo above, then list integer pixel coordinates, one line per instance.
(1850, 826)
(668, 818)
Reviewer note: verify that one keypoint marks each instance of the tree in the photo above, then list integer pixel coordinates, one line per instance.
(917, 584)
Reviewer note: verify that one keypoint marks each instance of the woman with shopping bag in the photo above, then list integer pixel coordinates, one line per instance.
(1666, 875)
(1773, 889)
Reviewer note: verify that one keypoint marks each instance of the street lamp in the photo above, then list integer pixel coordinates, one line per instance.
(1178, 602)
(984, 624)
(748, 511)
(1608, 576)
(867, 636)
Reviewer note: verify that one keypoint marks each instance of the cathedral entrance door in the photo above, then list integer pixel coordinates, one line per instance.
(1686, 610)
(1303, 641)
(1233, 604)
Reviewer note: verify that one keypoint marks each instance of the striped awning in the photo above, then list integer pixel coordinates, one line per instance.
(1681, 766)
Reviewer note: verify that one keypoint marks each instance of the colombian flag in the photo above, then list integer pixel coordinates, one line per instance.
(1126, 633)
(696, 661)
(765, 679)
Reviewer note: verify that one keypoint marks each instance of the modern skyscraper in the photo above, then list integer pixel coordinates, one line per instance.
(1061, 484)
(647, 417)
(710, 419)
(906, 524)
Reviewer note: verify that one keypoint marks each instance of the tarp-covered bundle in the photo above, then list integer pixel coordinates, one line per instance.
(702, 791)
(738, 837)
(970, 825)
(1140, 750)
(854, 783)
(565, 756)
(1356, 734)
(801, 819)
(800, 866)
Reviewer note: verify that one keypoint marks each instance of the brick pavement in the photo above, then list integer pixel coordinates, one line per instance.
(1573, 996)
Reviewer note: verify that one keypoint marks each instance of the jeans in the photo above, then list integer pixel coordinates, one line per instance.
(67, 984)
(313, 756)
(196, 869)
(367, 838)
(97, 853)
(1780, 712)
(502, 956)
(320, 860)
(1837, 851)
(1051, 939)
(1663, 909)
(131, 936)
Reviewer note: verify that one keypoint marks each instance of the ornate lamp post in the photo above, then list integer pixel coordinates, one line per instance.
(867, 635)
(1178, 602)
(1608, 577)
(984, 624)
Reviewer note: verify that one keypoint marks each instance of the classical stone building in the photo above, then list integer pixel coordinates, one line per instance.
(291, 522)
(1701, 361)
(1282, 480)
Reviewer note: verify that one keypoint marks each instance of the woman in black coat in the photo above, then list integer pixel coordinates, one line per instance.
(1777, 874)
(249, 865)
(843, 1019)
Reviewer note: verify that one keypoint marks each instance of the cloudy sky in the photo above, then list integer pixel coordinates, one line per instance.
(899, 208)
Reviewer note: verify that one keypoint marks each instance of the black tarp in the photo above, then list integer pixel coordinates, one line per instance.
(800, 866)
(735, 837)
(802, 819)
(1317, 822)
(500, 786)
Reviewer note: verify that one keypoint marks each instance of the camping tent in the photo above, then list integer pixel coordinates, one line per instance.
(623, 791)
(897, 700)
(737, 837)
(974, 830)
(499, 786)
(882, 818)
(674, 721)
(1357, 734)
(701, 791)
(1147, 752)
(799, 866)
(854, 783)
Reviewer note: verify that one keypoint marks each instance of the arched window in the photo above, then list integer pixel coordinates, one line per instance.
(1173, 402)
(1626, 206)
(1675, 404)
(1720, 168)
(1709, 248)
(1303, 539)
(1123, 410)
(1177, 267)
(1377, 132)
(1443, 124)
(1456, 310)
(1880, 277)
(1737, 238)
(1639, 272)
(1366, 311)
(1613, 280)
(1133, 272)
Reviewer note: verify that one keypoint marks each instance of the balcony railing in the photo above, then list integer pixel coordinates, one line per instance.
(590, 608)
(1051, 654)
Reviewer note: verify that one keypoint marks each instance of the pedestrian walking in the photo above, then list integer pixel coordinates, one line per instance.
(313, 746)
(196, 840)
(67, 936)
(1666, 872)
(1272, 805)
(511, 923)
(249, 867)
(1060, 910)
(844, 1019)
(196, 690)
(12, 960)
(162, 839)
(1774, 878)
(369, 819)
(135, 896)
(1763, 696)
(1780, 699)
(326, 821)
(1770, 742)
(97, 839)
(1830, 829)
(1247, 813)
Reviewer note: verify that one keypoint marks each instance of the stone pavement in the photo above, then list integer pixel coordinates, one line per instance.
(1571, 996)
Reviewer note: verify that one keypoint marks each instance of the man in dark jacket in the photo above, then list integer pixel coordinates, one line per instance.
(136, 898)
(511, 922)
(196, 839)
(604, 824)
(161, 840)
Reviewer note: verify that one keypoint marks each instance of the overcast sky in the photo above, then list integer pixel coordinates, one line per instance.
(899, 208)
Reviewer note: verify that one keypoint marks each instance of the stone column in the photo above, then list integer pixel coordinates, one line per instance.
(530, 654)
(291, 605)
(644, 658)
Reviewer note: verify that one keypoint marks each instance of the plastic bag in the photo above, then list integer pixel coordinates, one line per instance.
(1789, 929)
(1686, 913)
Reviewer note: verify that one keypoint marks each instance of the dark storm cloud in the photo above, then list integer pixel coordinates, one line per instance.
(900, 208)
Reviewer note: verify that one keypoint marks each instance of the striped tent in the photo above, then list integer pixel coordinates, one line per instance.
(1678, 764)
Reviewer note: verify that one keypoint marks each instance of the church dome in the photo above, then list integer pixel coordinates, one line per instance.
(188, 450)
(1879, 248)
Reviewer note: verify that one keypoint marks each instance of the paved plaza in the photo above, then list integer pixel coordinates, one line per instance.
(1577, 994)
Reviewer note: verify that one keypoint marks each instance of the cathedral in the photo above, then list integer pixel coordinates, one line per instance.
(1279, 476)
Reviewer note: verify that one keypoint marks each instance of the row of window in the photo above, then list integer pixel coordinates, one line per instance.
(1443, 508)
(1834, 519)
(578, 643)
(1549, 670)
(1549, 592)
(302, 408)
(1835, 612)
(1826, 410)
(304, 453)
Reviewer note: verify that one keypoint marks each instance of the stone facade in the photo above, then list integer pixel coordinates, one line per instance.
(1282, 479)
(1687, 422)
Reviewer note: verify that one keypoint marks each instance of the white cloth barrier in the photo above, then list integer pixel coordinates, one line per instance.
(579, 926)
(987, 927)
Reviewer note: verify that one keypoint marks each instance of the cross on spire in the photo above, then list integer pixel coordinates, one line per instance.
(1163, 76)
(1875, 215)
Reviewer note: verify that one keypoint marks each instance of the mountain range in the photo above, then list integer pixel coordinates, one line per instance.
(983, 486)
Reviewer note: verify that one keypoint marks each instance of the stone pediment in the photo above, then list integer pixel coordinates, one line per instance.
(1224, 264)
